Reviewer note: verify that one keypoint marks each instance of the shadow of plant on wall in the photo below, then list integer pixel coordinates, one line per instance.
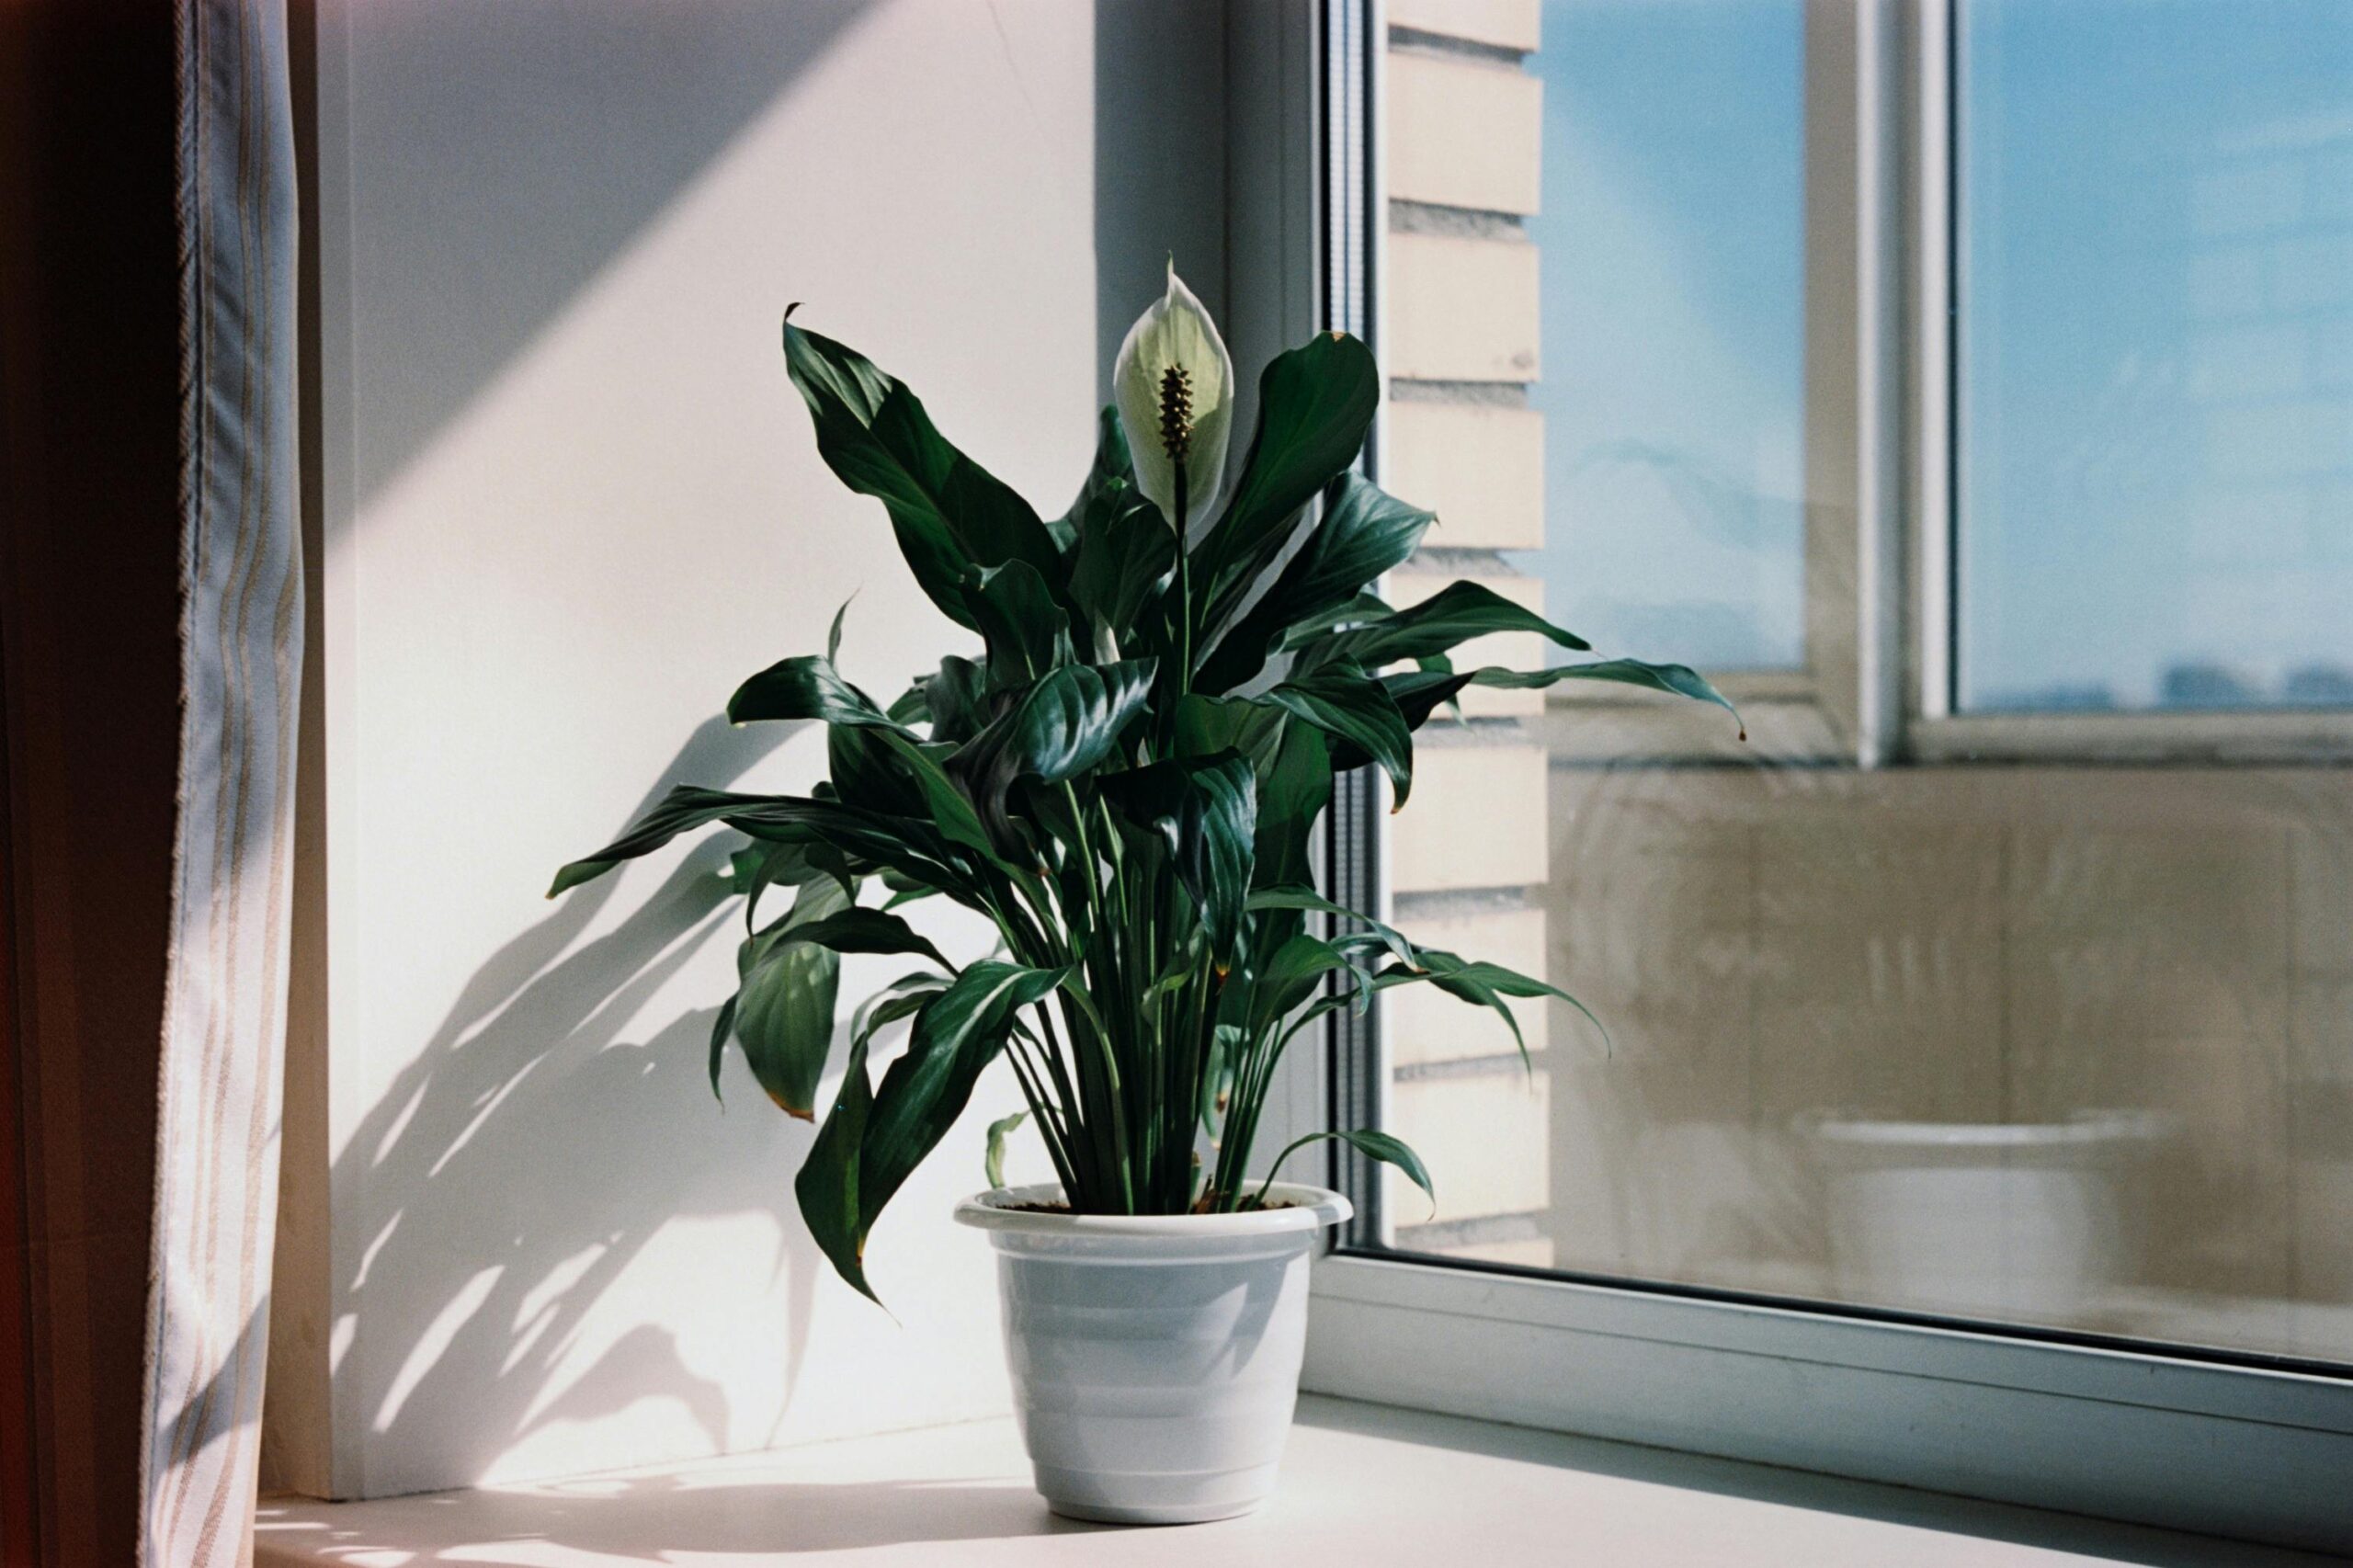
(524, 1163)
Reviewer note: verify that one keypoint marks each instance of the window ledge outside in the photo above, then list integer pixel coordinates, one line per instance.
(1362, 1484)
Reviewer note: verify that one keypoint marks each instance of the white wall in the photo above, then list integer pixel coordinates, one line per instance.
(568, 500)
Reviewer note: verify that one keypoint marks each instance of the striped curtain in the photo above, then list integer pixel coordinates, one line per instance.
(216, 1182)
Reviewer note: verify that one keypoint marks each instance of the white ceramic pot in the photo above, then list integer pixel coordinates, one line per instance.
(1155, 1357)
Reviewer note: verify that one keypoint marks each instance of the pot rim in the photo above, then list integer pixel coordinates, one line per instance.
(1312, 1208)
(2084, 1127)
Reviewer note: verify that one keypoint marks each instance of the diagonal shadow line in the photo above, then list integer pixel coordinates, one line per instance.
(579, 125)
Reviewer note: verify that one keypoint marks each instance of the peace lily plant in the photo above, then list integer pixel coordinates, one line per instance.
(1124, 783)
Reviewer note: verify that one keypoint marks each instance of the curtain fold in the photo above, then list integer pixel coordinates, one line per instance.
(224, 1037)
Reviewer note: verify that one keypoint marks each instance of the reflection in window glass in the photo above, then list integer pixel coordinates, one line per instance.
(2065, 1046)
(2155, 222)
(1672, 271)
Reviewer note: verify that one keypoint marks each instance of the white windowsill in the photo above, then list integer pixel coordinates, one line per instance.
(1362, 1484)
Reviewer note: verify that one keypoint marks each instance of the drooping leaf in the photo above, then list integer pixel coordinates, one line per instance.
(865, 765)
(953, 517)
(871, 840)
(992, 1164)
(857, 930)
(1362, 611)
(828, 1184)
(685, 808)
(752, 870)
(1453, 615)
(902, 998)
(1418, 693)
(1392, 1150)
(956, 1035)
(1306, 898)
(1206, 811)
(1316, 403)
(1356, 710)
(1363, 533)
(1484, 985)
(1676, 680)
(784, 1001)
(1293, 974)
(1382, 1146)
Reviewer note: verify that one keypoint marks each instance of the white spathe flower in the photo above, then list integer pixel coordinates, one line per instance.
(1174, 385)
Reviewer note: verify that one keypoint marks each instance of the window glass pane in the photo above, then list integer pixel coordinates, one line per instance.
(1672, 271)
(2065, 1047)
(2155, 228)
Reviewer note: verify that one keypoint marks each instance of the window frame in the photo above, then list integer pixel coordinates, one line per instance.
(1934, 732)
(2241, 1445)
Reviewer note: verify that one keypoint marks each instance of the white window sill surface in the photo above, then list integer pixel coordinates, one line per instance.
(1362, 1484)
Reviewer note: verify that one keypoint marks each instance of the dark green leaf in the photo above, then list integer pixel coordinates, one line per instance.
(1063, 726)
(1363, 609)
(867, 765)
(1293, 789)
(754, 870)
(1484, 985)
(957, 698)
(784, 1007)
(1292, 976)
(685, 807)
(866, 931)
(1418, 693)
(804, 688)
(828, 1183)
(1207, 725)
(1026, 630)
(953, 517)
(1351, 707)
(1112, 466)
(722, 1029)
(1206, 811)
(958, 1033)
(1363, 533)
(1453, 615)
(1308, 898)
(1391, 1151)
(1126, 555)
(1315, 405)
(1676, 680)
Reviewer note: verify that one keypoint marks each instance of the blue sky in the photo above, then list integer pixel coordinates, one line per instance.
(2156, 439)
